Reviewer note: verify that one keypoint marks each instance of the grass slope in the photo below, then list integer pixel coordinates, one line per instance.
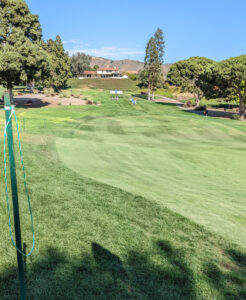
(105, 84)
(97, 241)
(188, 163)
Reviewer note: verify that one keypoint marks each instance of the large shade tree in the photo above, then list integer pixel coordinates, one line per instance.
(227, 79)
(187, 75)
(60, 64)
(22, 58)
(79, 63)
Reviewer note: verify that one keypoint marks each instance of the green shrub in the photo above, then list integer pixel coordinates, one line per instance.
(49, 92)
(166, 85)
(65, 94)
(131, 76)
(46, 91)
(235, 117)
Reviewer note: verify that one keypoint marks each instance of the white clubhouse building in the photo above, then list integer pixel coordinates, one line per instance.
(103, 73)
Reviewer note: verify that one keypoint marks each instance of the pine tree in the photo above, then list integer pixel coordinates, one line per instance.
(152, 73)
(60, 64)
(152, 66)
(160, 44)
(22, 58)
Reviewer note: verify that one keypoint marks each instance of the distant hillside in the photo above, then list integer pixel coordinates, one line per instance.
(124, 64)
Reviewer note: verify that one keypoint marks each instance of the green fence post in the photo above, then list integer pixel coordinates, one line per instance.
(15, 197)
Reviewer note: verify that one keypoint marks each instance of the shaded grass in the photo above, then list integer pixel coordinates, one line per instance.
(216, 103)
(219, 103)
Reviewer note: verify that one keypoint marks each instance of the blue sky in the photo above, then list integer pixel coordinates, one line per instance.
(120, 29)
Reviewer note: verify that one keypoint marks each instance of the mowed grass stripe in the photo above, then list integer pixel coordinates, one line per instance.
(190, 169)
(94, 241)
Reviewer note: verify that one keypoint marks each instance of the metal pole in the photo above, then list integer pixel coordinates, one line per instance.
(15, 197)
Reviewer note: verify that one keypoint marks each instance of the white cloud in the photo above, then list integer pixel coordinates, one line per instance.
(71, 42)
(111, 52)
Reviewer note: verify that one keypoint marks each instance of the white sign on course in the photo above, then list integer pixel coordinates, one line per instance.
(116, 92)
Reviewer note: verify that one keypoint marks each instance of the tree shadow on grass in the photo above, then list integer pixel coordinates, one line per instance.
(229, 278)
(31, 102)
(173, 281)
(211, 113)
(103, 275)
(141, 96)
(108, 262)
(168, 103)
(226, 106)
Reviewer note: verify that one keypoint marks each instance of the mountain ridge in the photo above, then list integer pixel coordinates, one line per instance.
(124, 65)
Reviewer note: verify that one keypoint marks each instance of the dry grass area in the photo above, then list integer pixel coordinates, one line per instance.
(168, 100)
(183, 96)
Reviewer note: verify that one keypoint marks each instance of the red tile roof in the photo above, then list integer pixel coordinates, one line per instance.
(90, 72)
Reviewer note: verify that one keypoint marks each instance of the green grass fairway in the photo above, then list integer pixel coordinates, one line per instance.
(189, 164)
(105, 84)
(129, 202)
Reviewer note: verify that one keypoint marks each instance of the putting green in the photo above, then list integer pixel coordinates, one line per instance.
(198, 175)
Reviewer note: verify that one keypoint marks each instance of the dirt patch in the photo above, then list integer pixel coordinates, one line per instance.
(40, 100)
(85, 88)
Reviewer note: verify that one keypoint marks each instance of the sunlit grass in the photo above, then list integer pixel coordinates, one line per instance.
(105, 182)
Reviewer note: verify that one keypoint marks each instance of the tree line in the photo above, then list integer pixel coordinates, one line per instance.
(204, 77)
(26, 58)
(198, 75)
